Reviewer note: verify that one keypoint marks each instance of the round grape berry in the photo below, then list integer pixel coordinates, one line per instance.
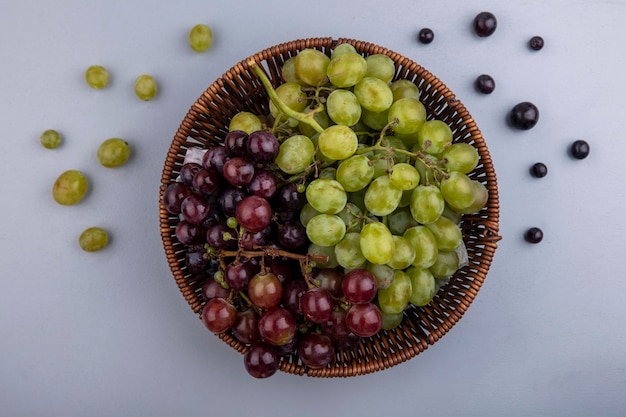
(535, 43)
(51, 139)
(425, 36)
(485, 84)
(579, 149)
(93, 239)
(200, 37)
(539, 170)
(485, 24)
(145, 87)
(524, 115)
(533, 235)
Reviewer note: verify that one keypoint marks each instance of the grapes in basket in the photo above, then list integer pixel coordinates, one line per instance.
(318, 223)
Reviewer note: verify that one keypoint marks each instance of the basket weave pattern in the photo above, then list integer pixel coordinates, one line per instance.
(206, 124)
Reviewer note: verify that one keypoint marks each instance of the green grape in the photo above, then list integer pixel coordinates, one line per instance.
(338, 142)
(374, 120)
(343, 108)
(93, 239)
(70, 187)
(320, 116)
(145, 87)
(423, 286)
(426, 204)
(348, 252)
(406, 198)
(307, 213)
(404, 89)
(346, 69)
(295, 154)
(328, 251)
(381, 167)
(391, 321)
(428, 167)
(113, 152)
(400, 220)
(435, 136)
(405, 176)
(325, 229)
(446, 264)
(51, 139)
(377, 243)
(289, 71)
(409, 115)
(326, 196)
(397, 144)
(447, 234)
(382, 273)
(342, 49)
(200, 37)
(292, 96)
(351, 216)
(232, 222)
(355, 173)
(329, 173)
(480, 197)
(310, 65)
(382, 197)
(458, 190)
(358, 199)
(395, 298)
(380, 66)
(373, 94)
(97, 77)
(461, 157)
(404, 255)
(425, 245)
(245, 121)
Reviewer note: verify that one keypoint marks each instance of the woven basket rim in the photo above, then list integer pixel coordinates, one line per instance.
(425, 326)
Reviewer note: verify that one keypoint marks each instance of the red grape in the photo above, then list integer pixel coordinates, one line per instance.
(215, 158)
(261, 360)
(211, 289)
(173, 196)
(364, 320)
(238, 171)
(330, 279)
(235, 143)
(359, 286)
(316, 305)
(265, 290)
(246, 327)
(254, 213)
(206, 181)
(219, 315)
(315, 350)
(262, 147)
(195, 208)
(277, 326)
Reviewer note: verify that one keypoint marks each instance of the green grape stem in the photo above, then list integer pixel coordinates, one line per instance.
(307, 118)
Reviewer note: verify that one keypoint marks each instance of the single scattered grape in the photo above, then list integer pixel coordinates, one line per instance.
(524, 115)
(533, 235)
(536, 43)
(200, 37)
(113, 152)
(97, 77)
(485, 84)
(145, 87)
(51, 139)
(485, 24)
(425, 36)
(539, 170)
(580, 149)
(93, 239)
(70, 187)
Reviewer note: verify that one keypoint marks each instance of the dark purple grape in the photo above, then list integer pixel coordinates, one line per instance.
(262, 147)
(292, 234)
(580, 149)
(288, 199)
(425, 36)
(292, 291)
(254, 213)
(173, 196)
(485, 24)
(187, 172)
(316, 305)
(251, 241)
(533, 235)
(215, 158)
(206, 181)
(485, 84)
(315, 350)
(229, 199)
(330, 280)
(238, 171)
(336, 329)
(212, 289)
(539, 170)
(196, 261)
(283, 269)
(238, 275)
(246, 327)
(195, 208)
(535, 43)
(524, 115)
(220, 236)
(261, 360)
(263, 184)
(236, 143)
(188, 233)
(277, 326)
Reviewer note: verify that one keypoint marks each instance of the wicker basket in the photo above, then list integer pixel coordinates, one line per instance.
(239, 89)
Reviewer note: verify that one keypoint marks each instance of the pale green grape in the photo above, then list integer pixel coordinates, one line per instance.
(395, 298)
(289, 71)
(348, 252)
(377, 243)
(351, 216)
(458, 190)
(405, 176)
(70, 187)
(307, 213)
(145, 87)
(355, 173)
(404, 255)
(325, 229)
(374, 120)
(343, 107)
(382, 273)
(435, 136)
(341, 49)
(380, 66)
(404, 89)
(423, 286)
(338, 142)
(391, 321)
(295, 154)
(310, 65)
(113, 152)
(426, 204)
(326, 196)
(51, 139)
(382, 197)
(97, 77)
(400, 220)
(292, 96)
(446, 264)
(245, 121)
(481, 195)
(346, 69)
(93, 239)
(447, 234)
(200, 37)
(409, 115)
(328, 251)
(373, 94)
(425, 245)
(461, 157)
(381, 167)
